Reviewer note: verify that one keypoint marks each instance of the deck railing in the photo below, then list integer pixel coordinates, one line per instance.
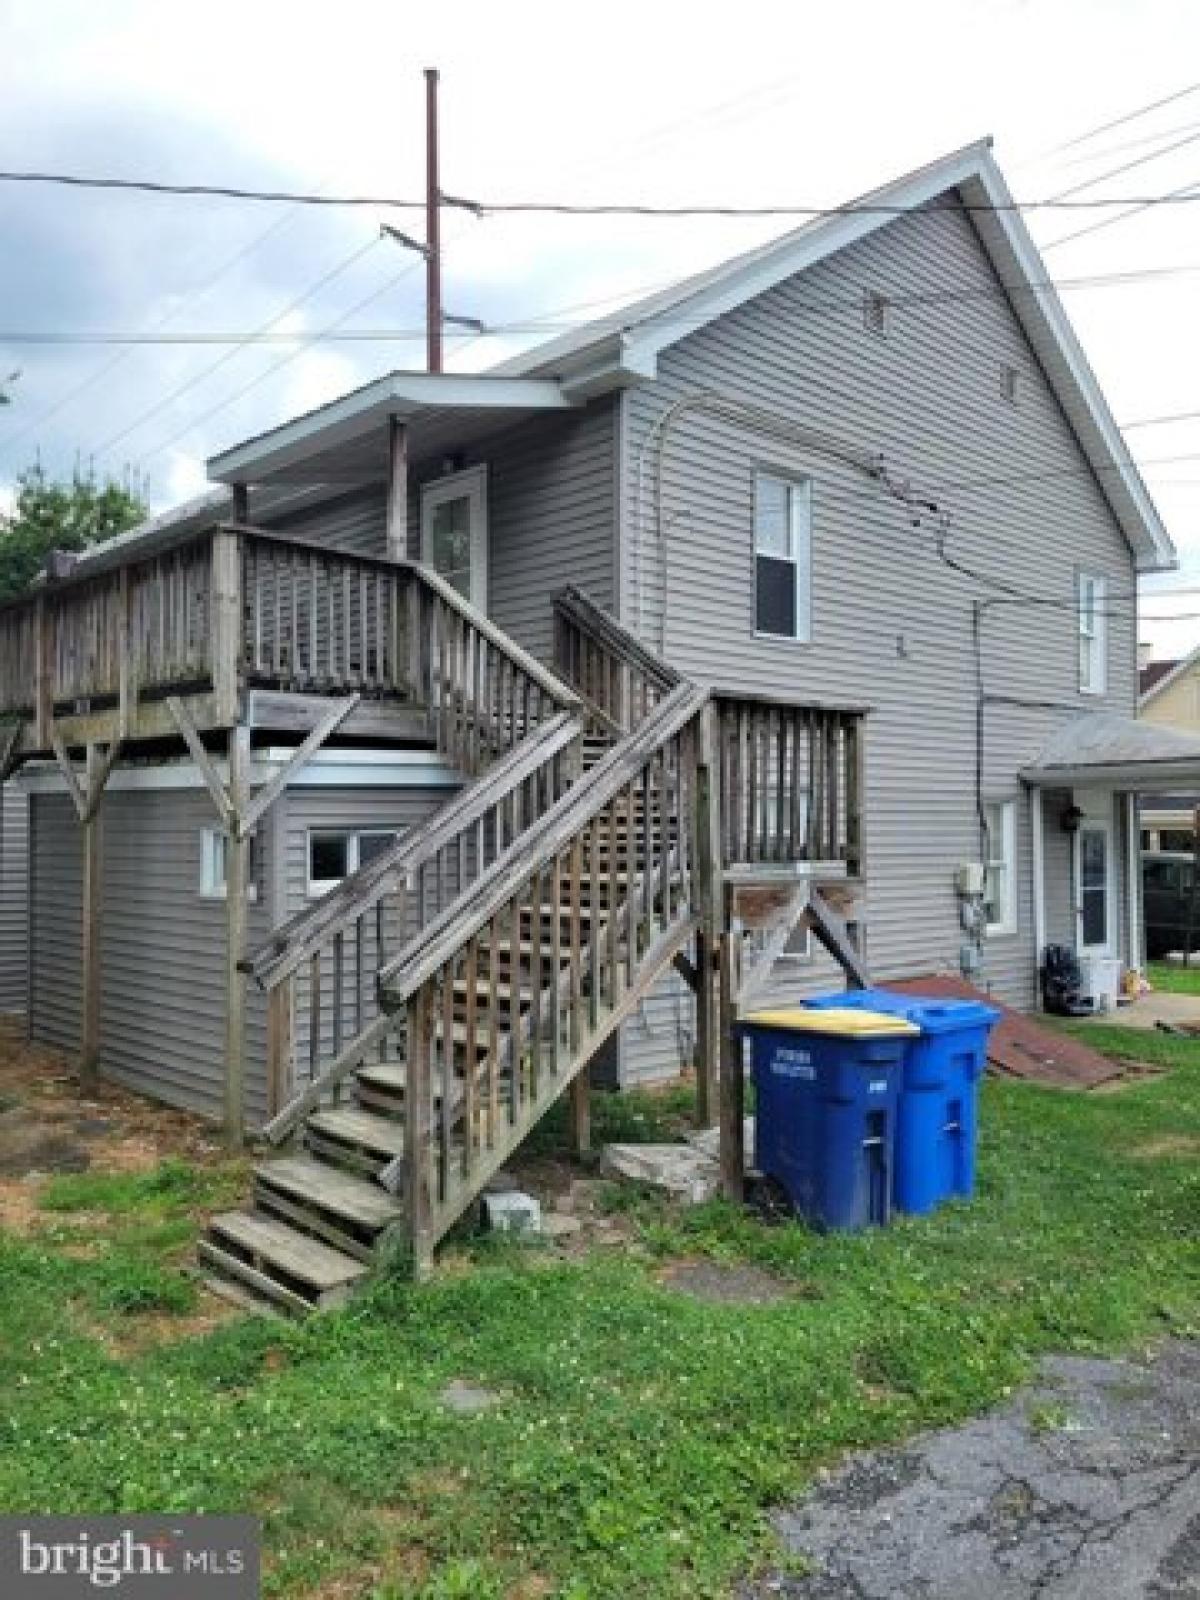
(791, 781)
(215, 612)
(620, 679)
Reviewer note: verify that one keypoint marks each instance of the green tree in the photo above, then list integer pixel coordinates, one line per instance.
(59, 515)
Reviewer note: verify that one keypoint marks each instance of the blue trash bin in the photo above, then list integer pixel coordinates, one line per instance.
(826, 1089)
(936, 1118)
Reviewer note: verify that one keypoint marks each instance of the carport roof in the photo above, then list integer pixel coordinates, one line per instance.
(1102, 747)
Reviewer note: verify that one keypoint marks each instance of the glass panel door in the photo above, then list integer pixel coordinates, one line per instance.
(454, 532)
(1095, 912)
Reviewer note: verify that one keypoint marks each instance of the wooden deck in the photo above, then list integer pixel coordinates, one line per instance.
(237, 626)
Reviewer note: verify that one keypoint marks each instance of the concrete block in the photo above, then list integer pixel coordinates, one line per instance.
(512, 1212)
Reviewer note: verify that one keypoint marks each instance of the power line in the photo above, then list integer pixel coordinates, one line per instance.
(1119, 122)
(565, 208)
(550, 321)
(109, 366)
(184, 388)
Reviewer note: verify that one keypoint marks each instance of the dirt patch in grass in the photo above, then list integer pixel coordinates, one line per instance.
(50, 1125)
(726, 1283)
(133, 1335)
(1169, 1146)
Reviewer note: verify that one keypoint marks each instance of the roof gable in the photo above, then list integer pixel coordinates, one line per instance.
(1171, 673)
(624, 347)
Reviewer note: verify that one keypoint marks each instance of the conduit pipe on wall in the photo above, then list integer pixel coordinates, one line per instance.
(740, 414)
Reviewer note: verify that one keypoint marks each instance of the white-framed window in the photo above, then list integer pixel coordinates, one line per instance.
(334, 853)
(1000, 875)
(1093, 633)
(782, 557)
(214, 864)
(454, 532)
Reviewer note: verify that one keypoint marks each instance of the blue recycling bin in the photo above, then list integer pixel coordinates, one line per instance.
(936, 1117)
(826, 1087)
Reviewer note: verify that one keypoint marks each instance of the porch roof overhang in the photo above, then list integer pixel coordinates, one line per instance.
(346, 441)
(1107, 750)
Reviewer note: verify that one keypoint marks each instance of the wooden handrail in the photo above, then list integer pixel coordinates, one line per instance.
(537, 845)
(572, 603)
(294, 941)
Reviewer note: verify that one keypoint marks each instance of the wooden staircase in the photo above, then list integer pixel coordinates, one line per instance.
(426, 1015)
(318, 1217)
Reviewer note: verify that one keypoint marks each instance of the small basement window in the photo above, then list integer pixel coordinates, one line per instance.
(782, 557)
(214, 864)
(877, 313)
(1000, 877)
(336, 853)
(1093, 634)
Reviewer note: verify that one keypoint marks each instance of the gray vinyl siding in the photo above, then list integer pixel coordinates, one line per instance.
(14, 898)
(162, 948)
(354, 521)
(891, 625)
(551, 517)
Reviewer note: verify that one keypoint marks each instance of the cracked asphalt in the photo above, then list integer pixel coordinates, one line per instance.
(1085, 1486)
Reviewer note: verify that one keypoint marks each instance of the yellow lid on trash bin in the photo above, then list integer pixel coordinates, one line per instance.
(847, 1022)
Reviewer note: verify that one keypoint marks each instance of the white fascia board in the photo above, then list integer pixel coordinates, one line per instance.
(401, 395)
(804, 249)
(1151, 777)
(327, 769)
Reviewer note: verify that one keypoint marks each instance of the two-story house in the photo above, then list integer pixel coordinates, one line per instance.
(864, 466)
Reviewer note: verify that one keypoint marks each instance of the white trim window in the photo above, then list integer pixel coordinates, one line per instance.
(335, 853)
(454, 532)
(1093, 633)
(1000, 868)
(214, 864)
(782, 557)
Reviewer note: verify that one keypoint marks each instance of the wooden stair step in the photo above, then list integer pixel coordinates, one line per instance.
(315, 1271)
(382, 1136)
(354, 1200)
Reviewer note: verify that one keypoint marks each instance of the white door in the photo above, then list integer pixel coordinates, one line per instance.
(1095, 900)
(454, 532)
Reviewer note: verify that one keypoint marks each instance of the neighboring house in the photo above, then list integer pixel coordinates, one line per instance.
(14, 899)
(865, 465)
(1170, 698)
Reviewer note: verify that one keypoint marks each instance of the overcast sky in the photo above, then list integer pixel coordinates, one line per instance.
(786, 104)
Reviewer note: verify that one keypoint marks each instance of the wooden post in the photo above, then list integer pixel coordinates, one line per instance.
(707, 856)
(226, 624)
(397, 490)
(43, 662)
(733, 1155)
(418, 1105)
(89, 1043)
(237, 861)
(281, 1044)
(580, 1111)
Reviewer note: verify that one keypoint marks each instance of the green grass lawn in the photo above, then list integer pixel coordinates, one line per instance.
(1173, 979)
(641, 1436)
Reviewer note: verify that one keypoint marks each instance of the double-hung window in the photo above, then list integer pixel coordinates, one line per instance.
(333, 854)
(1000, 876)
(1093, 634)
(782, 557)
